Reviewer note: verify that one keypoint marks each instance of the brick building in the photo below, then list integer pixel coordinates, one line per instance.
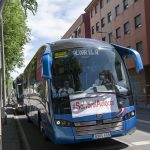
(80, 29)
(125, 22)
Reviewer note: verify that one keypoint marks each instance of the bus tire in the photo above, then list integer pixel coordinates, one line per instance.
(26, 110)
(28, 118)
(40, 125)
(15, 111)
(26, 113)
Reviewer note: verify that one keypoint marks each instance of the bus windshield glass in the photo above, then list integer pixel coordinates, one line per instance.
(89, 71)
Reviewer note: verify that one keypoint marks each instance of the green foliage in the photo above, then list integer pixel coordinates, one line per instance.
(16, 34)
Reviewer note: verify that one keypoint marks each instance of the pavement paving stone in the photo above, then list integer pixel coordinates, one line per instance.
(10, 135)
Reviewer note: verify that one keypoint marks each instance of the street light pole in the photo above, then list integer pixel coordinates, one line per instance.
(3, 63)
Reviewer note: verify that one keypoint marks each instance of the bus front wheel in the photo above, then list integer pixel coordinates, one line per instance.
(42, 130)
(26, 112)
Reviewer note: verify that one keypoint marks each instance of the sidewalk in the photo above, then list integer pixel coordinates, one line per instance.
(10, 135)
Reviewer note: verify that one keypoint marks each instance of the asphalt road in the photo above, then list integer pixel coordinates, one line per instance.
(140, 140)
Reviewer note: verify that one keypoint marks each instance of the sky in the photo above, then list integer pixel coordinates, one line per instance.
(52, 20)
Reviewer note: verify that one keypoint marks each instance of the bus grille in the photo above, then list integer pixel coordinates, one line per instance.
(99, 128)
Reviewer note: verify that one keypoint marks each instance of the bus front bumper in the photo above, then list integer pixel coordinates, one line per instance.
(68, 135)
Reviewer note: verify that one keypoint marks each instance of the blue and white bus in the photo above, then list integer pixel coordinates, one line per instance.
(78, 90)
(18, 94)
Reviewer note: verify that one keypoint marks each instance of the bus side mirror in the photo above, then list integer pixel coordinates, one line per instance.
(137, 60)
(46, 66)
(123, 51)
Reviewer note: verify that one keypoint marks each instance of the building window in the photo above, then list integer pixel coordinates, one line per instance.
(110, 37)
(102, 22)
(75, 34)
(92, 29)
(79, 31)
(103, 38)
(109, 17)
(96, 9)
(126, 27)
(108, 1)
(91, 13)
(117, 11)
(139, 47)
(137, 21)
(125, 4)
(97, 26)
(118, 32)
(101, 4)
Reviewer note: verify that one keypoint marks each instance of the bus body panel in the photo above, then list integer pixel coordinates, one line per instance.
(43, 106)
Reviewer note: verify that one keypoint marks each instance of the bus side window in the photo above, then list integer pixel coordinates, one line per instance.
(118, 70)
(40, 89)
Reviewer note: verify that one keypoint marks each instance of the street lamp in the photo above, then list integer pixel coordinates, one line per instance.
(3, 62)
(2, 69)
(108, 34)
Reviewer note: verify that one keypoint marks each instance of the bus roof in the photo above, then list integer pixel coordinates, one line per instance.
(79, 42)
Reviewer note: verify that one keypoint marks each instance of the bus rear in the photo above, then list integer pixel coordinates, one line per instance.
(18, 91)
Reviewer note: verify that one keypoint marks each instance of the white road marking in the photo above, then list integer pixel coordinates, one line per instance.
(123, 142)
(24, 138)
(143, 121)
(10, 116)
(141, 143)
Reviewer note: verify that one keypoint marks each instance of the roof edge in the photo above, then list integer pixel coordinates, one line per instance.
(89, 6)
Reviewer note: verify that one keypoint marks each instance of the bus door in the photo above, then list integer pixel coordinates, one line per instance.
(47, 118)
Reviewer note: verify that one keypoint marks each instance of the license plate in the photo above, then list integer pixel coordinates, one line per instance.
(102, 135)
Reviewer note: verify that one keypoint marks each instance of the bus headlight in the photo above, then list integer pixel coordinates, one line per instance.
(129, 115)
(58, 122)
(132, 113)
(64, 123)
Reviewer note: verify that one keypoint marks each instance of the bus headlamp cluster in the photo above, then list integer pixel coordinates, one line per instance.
(64, 123)
(129, 115)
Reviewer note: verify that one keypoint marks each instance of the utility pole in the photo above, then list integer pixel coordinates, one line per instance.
(3, 63)
(2, 71)
(2, 67)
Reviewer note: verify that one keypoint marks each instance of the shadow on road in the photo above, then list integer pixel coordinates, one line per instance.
(12, 138)
(105, 144)
(36, 141)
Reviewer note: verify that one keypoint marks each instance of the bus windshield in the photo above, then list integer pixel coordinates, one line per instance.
(89, 71)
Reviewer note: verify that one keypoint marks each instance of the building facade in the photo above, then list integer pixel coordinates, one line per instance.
(125, 22)
(80, 29)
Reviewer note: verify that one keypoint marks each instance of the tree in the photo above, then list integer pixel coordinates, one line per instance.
(27, 5)
(16, 34)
